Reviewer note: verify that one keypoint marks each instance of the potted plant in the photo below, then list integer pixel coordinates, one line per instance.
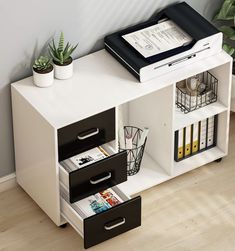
(225, 19)
(43, 72)
(61, 56)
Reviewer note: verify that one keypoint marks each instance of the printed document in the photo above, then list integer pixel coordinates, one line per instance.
(158, 38)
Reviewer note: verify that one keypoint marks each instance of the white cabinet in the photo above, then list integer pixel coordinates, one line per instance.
(98, 85)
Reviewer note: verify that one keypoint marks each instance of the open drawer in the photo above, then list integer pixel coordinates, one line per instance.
(95, 177)
(105, 225)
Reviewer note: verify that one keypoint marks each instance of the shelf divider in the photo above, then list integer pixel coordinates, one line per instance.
(197, 160)
(181, 120)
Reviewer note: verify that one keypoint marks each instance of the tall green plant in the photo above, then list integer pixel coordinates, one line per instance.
(61, 54)
(226, 16)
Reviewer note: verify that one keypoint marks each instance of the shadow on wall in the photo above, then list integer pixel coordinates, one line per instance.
(19, 71)
(24, 68)
(6, 141)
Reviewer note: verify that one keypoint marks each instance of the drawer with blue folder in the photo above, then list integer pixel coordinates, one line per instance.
(195, 138)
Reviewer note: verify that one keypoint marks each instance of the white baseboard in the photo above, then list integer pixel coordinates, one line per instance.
(7, 182)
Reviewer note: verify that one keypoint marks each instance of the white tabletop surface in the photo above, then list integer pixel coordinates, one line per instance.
(99, 83)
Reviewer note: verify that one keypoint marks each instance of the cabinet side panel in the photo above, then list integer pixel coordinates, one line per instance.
(36, 156)
(155, 111)
(223, 131)
(224, 75)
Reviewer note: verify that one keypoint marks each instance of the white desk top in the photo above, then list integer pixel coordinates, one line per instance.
(99, 83)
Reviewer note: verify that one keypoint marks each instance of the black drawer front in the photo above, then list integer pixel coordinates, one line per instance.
(86, 134)
(98, 176)
(113, 222)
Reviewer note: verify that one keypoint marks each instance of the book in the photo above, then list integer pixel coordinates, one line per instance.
(98, 202)
(158, 38)
(84, 159)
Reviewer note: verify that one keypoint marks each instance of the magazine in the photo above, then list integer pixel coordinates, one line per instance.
(99, 202)
(84, 159)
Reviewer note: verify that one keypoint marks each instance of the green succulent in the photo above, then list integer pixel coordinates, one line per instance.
(61, 54)
(42, 63)
(226, 15)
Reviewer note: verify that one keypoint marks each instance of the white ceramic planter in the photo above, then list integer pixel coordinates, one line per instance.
(63, 72)
(43, 79)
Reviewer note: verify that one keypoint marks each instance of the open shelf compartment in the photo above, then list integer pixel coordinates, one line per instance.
(155, 112)
(212, 154)
(222, 74)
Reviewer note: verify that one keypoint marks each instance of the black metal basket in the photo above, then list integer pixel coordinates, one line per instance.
(203, 96)
(135, 154)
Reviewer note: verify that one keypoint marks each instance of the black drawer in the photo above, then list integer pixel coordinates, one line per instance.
(96, 177)
(86, 134)
(105, 225)
(113, 222)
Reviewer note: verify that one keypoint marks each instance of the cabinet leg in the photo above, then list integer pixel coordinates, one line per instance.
(218, 160)
(64, 225)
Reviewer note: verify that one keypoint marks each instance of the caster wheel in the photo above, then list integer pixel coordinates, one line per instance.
(218, 160)
(64, 225)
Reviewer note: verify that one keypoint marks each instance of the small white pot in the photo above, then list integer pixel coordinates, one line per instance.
(43, 79)
(63, 71)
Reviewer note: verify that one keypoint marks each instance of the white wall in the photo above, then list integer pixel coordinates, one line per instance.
(28, 25)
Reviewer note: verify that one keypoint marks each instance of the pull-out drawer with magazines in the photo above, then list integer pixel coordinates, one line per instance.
(103, 225)
(94, 177)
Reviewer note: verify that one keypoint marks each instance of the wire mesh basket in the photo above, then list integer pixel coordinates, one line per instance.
(135, 153)
(204, 94)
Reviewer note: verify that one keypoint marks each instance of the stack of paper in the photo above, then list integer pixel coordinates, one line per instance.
(158, 38)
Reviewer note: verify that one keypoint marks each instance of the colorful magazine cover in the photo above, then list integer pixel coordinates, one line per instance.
(99, 202)
(110, 198)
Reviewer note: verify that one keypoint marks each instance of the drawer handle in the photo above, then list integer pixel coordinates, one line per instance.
(123, 221)
(89, 134)
(94, 182)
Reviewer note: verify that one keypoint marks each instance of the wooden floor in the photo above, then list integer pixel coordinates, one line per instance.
(195, 211)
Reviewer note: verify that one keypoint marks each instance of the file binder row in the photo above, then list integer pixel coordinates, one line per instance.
(195, 138)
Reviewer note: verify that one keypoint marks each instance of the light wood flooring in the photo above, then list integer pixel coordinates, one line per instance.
(195, 211)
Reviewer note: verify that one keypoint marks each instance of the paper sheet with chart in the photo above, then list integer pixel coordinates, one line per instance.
(158, 38)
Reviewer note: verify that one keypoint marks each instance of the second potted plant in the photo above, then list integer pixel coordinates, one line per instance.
(61, 56)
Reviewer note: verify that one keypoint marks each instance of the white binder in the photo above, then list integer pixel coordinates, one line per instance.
(203, 142)
(210, 132)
